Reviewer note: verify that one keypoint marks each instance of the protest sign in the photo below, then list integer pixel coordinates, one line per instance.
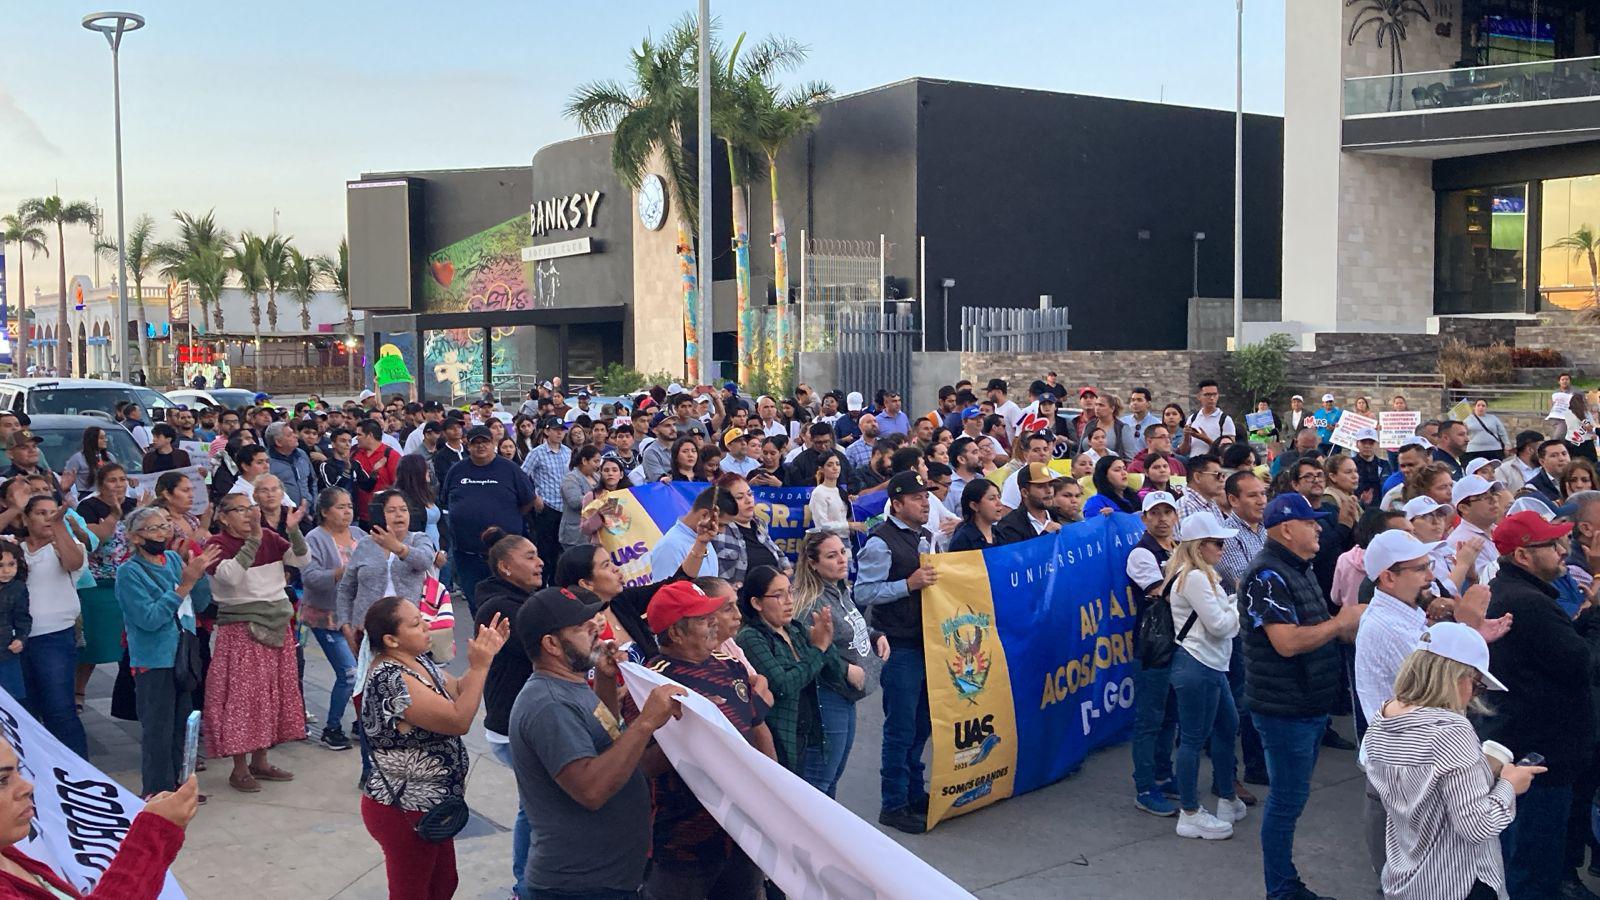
(1344, 434)
(1259, 421)
(642, 514)
(390, 369)
(141, 485)
(1394, 427)
(1560, 402)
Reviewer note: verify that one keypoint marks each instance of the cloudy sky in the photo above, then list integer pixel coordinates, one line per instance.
(250, 107)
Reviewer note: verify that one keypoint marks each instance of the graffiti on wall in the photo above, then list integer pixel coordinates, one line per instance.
(481, 273)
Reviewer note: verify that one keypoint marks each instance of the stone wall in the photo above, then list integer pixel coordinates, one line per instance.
(1363, 353)
(1169, 374)
(1580, 344)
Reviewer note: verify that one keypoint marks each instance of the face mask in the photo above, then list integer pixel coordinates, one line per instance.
(154, 548)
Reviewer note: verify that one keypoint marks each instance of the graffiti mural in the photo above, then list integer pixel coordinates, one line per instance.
(482, 272)
(453, 362)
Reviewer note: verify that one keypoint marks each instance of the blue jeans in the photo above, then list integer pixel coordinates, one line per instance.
(1155, 725)
(906, 727)
(49, 667)
(472, 568)
(343, 662)
(1534, 850)
(11, 679)
(521, 832)
(825, 764)
(1205, 709)
(1249, 740)
(1291, 746)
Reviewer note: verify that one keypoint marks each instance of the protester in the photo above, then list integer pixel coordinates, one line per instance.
(1112, 493)
(981, 511)
(49, 656)
(78, 473)
(687, 544)
(393, 562)
(101, 622)
(743, 543)
(829, 506)
(1155, 712)
(1035, 514)
(331, 545)
(1487, 437)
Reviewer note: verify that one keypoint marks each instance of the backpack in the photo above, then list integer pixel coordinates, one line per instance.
(1157, 642)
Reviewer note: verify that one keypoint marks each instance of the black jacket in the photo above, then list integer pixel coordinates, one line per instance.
(511, 666)
(1546, 488)
(1015, 527)
(1548, 704)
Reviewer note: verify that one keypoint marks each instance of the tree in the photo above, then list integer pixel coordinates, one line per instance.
(244, 258)
(1585, 244)
(199, 256)
(1261, 369)
(53, 210)
(15, 229)
(274, 269)
(337, 271)
(301, 277)
(651, 116)
(141, 256)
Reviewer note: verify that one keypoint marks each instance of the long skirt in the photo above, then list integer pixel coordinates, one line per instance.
(252, 694)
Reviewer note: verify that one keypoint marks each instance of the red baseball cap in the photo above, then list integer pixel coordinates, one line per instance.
(1524, 528)
(1087, 390)
(678, 600)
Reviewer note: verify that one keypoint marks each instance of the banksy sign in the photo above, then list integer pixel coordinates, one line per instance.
(563, 213)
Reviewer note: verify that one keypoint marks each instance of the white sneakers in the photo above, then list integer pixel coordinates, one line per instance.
(1230, 811)
(1203, 825)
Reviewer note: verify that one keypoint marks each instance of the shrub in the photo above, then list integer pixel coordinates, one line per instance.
(1537, 358)
(1461, 364)
(1261, 369)
(618, 379)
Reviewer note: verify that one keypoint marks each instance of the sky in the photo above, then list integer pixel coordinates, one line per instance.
(247, 108)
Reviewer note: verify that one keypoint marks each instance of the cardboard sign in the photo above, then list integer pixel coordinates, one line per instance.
(1344, 434)
(1395, 427)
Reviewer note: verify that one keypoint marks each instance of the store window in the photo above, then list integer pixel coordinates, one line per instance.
(452, 363)
(1569, 220)
(1480, 250)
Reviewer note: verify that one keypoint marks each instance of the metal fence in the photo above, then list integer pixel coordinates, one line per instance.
(874, 350)
(996, 329)
(837, 277)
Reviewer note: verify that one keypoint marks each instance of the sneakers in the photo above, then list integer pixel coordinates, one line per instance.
(1230, 811)
(1203, 825)
(903, 819)
(1155, 803)
(1168, 787)
(334, 739)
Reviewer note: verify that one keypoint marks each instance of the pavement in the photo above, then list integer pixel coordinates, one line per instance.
(1081, 837)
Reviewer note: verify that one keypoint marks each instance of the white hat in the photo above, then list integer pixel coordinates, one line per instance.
(1158, 498)
(1327, 398)
(1298, 397)
(853, 401)
(1481, 463)
(1202, 525)
(1467, 488)
(364, 395)
(1462, 643)
(1393, 546)
(1367, 434)
(674, 388)
(1421, 506)
(1532, 503)
(1416, 441)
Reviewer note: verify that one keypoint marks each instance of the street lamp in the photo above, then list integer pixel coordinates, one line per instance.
(114, 25)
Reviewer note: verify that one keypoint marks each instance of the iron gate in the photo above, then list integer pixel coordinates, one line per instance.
(874, 351)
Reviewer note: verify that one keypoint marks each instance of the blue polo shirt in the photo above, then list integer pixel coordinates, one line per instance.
(480, 496)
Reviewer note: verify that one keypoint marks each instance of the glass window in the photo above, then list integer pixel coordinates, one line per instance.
(452, 363)
(1569, 218)
(1480, 250)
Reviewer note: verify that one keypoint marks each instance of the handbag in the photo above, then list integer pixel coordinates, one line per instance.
(1157, 642)
(188, 666)
(438, 610)
(444, 820)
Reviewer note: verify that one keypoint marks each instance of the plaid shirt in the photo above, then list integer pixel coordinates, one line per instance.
(792, 670)
(732, 558)
(547, 468)
(1239, 551)
(1191, 502)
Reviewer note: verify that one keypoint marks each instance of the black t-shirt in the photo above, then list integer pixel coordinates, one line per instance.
(755, 552)
(165, 462)
(95, 510)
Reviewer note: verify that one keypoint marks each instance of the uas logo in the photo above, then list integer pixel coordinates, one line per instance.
(968, 663)
(974, 740)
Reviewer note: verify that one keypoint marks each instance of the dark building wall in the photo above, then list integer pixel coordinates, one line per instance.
(603, 277)
(1022, 193)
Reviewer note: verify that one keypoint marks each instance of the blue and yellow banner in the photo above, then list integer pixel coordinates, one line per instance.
(1028, 652)
(635, 519)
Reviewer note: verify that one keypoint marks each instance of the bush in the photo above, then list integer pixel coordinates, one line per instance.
(1537, 358)
(1461, 364)
(618, 379)
(1261, 369)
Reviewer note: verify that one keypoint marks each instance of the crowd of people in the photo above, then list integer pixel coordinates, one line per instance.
(1284, 580)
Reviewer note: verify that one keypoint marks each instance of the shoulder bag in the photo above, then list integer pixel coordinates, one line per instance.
(1157, 642)
(447, 817)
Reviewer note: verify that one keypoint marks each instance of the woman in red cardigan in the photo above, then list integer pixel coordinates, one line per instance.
(136, 872)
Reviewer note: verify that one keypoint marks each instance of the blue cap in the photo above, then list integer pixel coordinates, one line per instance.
(730, 387)
(262, 395)
(1288, 508)
(971, 412)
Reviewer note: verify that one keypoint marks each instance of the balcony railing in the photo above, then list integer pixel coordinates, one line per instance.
(1455, 89)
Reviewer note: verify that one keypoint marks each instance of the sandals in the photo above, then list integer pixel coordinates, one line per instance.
(247, 784)
(271, 773)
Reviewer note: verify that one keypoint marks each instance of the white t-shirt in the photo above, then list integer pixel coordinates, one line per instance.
(1214, 425)
(1012, 413)
(572, 415)
(52, 591)
(392, 441)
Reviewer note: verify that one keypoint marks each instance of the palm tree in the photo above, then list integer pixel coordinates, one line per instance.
(301, 276)
(274, 269)
(53, 210)
(15, 229)
(244, 257)
(1585, 244)
(198, 256)
(788, 117)
(651, 116)
(337, 271)
(140, 257)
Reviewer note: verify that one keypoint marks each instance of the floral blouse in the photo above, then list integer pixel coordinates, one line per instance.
(422, 767)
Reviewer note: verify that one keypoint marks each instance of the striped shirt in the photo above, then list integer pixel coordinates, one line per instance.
(1446, 809)
(1386, 636)
(1240, 550)
(547, 468)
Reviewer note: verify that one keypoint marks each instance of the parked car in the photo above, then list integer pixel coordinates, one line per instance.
(63, 436)
(75, 396)
(231, 398)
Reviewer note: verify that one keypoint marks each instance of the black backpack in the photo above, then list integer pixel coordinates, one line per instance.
(1156, 640)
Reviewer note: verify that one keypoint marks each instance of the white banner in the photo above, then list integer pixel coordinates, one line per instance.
(140, 485)
(1344, 433)
(808, 844)
(1395, 426)
(80, 815)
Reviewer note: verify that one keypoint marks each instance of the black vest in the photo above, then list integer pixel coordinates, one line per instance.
(1298, 686)
(1162, 554)
(900, 620)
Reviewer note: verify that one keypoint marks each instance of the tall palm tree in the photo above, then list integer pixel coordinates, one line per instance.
(244, 258)
(53, 210)
(301, 277)
(15, 229)
(337, 271)
(274, 270)
(1585, 244)
(141, 257)
(650, 116)
(199, 256)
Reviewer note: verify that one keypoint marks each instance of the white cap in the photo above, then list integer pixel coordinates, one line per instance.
(1467, 488)
(1202, 525)
(1481, 463)
(1416, 441)
(1393, 546)
(1158, 498)
(674, 388)
(1462, 643)
(364, 395)
(853, 401)
(1421, 506)
(1327, 398)
(1367, 434)
(1298, 397)
(1532, 503)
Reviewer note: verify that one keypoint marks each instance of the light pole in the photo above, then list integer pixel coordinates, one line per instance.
(1198, 237)
(114, 25)
(1238, 176)
(704, 257)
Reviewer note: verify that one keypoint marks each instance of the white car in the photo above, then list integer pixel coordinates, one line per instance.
(75, 396)
(231, 398)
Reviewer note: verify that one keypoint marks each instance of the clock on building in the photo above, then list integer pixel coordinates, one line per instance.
(653, 202)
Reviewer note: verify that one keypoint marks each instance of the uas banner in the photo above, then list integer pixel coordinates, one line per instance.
(635, 519)
(1028, 652)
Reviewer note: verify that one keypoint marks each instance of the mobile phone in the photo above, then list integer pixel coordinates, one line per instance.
(191, 747)
(1531, 759)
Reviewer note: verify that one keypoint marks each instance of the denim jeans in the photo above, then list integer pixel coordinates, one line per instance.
(906, 727)
(1155, 725)
(163, 715)
(521, 832)
(1533, 846)
(1249, 741)
(49, 667)
(11, 679)
(1205, 709)
(824, 764)
(343, 663)
(1291, 745)
(472, 568)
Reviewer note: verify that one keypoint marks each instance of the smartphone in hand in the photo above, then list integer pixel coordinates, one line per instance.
(1531, 759)
(191, 746)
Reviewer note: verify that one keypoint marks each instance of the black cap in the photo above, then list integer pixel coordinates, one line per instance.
(431, 427)
(479, 431)
(1047, 397)
(552, 422)
(907, 483)
(432, 406)
(552, 609)
(996, 384)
